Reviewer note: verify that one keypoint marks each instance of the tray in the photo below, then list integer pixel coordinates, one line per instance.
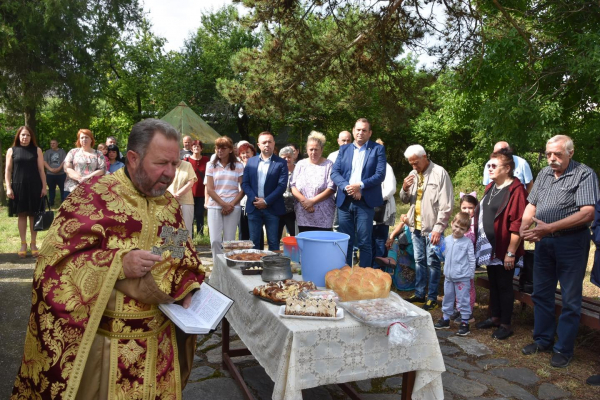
(247, 271)
(268, 300)
(338, 315)
(234, 263)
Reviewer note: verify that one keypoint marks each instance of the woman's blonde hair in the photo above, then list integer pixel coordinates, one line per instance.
(318, 137)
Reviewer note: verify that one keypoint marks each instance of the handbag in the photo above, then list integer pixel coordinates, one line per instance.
(379, 213)
(44, 217)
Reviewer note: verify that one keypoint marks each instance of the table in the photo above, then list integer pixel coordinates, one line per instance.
(301, 354)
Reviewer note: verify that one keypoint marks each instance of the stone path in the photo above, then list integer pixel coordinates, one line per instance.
(471, 370)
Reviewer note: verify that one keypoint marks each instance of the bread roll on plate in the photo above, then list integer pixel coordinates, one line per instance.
(359, 283)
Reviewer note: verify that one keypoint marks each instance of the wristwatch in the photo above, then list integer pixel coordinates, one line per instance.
(509, 254)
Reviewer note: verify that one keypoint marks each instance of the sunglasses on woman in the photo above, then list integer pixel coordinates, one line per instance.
(493, 166)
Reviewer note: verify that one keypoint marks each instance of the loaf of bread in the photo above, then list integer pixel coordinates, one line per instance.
(359, 283)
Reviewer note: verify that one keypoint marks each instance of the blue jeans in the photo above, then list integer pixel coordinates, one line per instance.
(425, 260)
(559, 259)
(356, 219)
(52, 181)
(380, 235)
(256, 219)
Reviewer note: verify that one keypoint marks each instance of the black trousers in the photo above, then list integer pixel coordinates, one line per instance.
(313, 228)
(289, 222)
(502, 297)
(199, 215)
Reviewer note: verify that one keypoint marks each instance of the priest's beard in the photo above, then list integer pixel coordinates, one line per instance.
(145, 185)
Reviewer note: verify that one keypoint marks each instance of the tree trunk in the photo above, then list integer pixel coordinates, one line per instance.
(30, 115)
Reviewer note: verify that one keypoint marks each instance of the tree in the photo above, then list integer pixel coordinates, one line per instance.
(51, 48)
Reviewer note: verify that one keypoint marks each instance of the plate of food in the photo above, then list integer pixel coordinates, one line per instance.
(277, 292)
(255, 270)
(311, 308)
(246, 258)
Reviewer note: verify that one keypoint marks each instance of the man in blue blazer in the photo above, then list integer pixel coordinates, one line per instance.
(358, 172)
(264, 182)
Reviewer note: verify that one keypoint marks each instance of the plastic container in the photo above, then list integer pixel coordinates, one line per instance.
(320, 252)
(290, 248)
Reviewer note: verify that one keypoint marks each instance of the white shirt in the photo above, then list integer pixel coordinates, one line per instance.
(263, 169)
(357, 164)
(333, 156)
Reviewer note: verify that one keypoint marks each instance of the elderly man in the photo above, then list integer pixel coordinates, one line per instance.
(344, 137)
(562, 206)
(117, 248)
(264, 182)
(187, 148)
(522, 170)
(358, 173)
(429, 191)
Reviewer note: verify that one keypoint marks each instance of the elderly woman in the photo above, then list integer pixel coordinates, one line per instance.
(223, 186)
(198, 163)
(313, 188)
(498, 245)
(83, 162)
(288, 220)
(25, 184)
(114, 158)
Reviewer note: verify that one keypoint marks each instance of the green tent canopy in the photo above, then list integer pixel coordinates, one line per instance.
(186, 121)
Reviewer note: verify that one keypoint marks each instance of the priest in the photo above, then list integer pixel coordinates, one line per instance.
(118, 247)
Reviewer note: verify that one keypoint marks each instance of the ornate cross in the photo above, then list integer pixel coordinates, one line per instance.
(173, 241)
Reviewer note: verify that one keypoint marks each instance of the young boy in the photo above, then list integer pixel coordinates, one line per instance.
(459, 270)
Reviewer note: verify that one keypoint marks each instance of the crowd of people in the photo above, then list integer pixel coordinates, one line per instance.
(257, 189)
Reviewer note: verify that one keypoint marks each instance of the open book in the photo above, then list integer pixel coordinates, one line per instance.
(208, 308)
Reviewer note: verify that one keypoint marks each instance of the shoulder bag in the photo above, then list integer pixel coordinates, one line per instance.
(44, 217)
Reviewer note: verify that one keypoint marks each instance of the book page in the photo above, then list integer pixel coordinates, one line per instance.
(209, 305)
(182, 316)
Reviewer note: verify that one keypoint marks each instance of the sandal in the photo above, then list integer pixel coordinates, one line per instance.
(22, 253)
(34, 253)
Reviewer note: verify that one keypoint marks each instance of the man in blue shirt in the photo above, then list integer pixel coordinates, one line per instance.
(358, 173)
(264, 182)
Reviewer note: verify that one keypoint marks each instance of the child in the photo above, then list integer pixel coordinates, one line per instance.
(102, 148)
(468, 203)
(459, 270)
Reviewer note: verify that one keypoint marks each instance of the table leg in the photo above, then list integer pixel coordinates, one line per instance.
(228, 365)
(408, 382)
(349, 390)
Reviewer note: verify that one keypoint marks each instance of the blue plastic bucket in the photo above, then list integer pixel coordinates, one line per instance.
(320, 252)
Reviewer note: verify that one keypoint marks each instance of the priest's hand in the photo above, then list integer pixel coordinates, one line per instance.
(187, 300)
(138, 263)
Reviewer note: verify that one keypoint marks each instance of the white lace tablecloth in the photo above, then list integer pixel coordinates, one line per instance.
(301, 354)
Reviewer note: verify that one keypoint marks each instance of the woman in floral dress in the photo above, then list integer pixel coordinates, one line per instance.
(83, 162)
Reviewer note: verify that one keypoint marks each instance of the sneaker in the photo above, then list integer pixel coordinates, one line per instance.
(418, 301)
(593, 380)
(559, 360)
(430, 305)
(463, 330)
(442, 324)
(502, 333)
(535, 348)
(455, 316)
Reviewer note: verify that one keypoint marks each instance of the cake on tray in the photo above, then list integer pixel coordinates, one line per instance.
(310, 307)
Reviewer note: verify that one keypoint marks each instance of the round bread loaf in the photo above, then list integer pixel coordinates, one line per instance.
(358, 283)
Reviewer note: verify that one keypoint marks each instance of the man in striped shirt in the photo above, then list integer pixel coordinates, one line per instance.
(561, 204)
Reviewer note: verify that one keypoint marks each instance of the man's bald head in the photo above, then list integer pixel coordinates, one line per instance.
(501, 145)
(344, 137)
(187, 143)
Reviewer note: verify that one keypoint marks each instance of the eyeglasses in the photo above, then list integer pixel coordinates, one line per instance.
(493, 166)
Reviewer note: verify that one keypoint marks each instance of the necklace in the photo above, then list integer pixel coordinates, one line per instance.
(493, 193)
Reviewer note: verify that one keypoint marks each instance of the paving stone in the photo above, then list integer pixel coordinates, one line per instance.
(522, 376)
(201, 373)
(461, 357)
(443, 334)
(471, 346)
(461, 386)
(448, 395)
(212, 341)
(213, 389)
(257, 379)
(449, 350)
(492, 362)
(548, 391)
(502, 386)
(465, 366)
(365, 385)
(316, 393)
(395, 382)
(455, 371)
(214, 355)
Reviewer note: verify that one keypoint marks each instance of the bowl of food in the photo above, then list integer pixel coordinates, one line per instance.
(246, 258)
